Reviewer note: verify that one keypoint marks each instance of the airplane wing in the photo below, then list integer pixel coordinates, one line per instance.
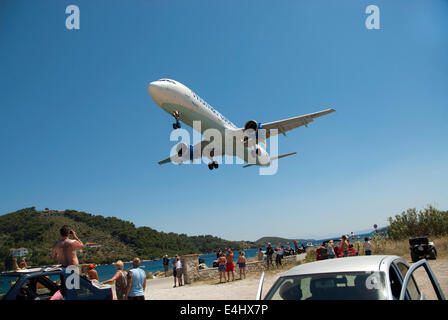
(198, 150)
(288, 124)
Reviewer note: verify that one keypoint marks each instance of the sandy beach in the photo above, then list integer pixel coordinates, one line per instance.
(162, 288)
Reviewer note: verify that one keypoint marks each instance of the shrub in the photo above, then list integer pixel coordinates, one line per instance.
(413, 223)
(310, 255)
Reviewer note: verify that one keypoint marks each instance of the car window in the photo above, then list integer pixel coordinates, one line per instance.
(330, 286)
(395, 282)
(46, 286)
(412, 288)
(423, 281)
(42, 287)
(6, 283)
(27, 290)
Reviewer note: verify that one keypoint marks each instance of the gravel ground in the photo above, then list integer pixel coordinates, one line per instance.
(440, 269)
(162, 289)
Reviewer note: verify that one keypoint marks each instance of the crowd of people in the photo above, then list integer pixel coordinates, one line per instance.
(226, 266)
(345, 247)
(131, 285)
(276, 255)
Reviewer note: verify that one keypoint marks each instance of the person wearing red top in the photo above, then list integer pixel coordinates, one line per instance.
(344, 246)
(93, 275)
(229, 265)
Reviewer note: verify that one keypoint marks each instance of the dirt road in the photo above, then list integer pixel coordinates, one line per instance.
(162, 289)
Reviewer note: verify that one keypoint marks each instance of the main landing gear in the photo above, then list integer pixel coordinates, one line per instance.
(176, 125)
(213, 165)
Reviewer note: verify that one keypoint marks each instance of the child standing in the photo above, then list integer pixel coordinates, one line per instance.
(222, 266)
(242, 264)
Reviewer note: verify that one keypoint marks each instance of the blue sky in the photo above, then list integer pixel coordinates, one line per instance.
(78, 129)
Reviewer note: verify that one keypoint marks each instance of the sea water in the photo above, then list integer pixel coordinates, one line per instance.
(106, 272)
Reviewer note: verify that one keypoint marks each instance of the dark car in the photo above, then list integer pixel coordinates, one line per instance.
(422, 248)
(43, 283)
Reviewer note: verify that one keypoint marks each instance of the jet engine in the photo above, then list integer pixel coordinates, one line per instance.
(252, 131)
(251, 124)
(184, 152)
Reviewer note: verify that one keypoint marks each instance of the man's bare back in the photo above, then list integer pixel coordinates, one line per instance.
(65, 250)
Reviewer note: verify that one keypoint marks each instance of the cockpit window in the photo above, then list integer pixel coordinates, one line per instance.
(168, 80)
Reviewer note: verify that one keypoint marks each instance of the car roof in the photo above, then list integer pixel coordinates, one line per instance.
(43, 270)
(347, 264)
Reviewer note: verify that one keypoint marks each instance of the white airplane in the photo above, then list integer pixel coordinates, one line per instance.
(186, 106)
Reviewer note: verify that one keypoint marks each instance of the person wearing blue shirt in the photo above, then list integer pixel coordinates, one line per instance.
(136, 282)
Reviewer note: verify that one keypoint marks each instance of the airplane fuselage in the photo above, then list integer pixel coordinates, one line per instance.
(179, 101)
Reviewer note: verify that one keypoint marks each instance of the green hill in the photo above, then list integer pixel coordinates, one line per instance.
(119, 239)
(263, 242)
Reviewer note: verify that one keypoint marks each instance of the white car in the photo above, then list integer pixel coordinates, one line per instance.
(353, 278)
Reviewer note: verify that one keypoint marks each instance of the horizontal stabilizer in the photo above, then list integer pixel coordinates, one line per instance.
(274, 158)
(167, 160)
(283, 156)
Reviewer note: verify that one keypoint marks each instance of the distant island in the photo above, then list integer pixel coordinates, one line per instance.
(263, 242)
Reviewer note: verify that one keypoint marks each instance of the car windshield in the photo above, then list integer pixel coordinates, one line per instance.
(6, 283)
(330, 286)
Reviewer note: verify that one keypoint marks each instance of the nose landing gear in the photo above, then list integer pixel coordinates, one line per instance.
(176, 125)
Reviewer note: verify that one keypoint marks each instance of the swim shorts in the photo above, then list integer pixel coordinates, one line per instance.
(229, 267)
(222, 268)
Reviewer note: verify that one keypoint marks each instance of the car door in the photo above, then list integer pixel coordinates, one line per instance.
(409, 279)
(85, 291)
(413, 291)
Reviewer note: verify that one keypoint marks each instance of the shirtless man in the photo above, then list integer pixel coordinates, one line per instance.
(65, 249)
